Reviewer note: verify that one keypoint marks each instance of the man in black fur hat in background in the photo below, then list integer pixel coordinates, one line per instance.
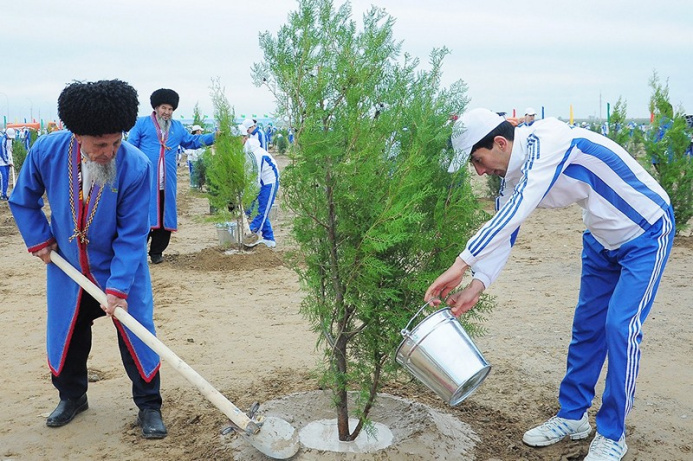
(159, 137)
(99, 191)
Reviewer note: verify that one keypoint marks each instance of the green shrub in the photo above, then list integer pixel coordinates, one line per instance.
(493, 183)
(199, 171)
(282, 142)
(18, 153)
(666, 147)
(230, 185)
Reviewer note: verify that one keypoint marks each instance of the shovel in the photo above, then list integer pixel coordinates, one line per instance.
(272, 436)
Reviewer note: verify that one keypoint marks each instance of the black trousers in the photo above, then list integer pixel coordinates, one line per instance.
(160, 237)
(73, 381)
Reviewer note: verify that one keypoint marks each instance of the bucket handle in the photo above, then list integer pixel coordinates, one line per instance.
(405, 331)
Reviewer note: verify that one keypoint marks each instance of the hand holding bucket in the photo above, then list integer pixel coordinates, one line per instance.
(439, 353)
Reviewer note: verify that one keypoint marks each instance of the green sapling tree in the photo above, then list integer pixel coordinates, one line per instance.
(231, 186)
(666, 146)
(377, 215)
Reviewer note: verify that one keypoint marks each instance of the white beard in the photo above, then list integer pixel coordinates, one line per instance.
(164, 124)
(102, 175)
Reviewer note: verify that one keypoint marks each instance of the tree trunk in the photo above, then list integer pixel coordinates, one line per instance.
(340, 360)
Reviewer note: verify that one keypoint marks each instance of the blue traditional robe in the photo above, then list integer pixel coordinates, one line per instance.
(146, 135)
(106, 240)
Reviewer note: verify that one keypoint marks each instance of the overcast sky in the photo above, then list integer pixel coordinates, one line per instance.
(538, 53)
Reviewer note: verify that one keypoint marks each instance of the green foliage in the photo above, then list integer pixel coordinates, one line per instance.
(618, 128)
(199, 172)
(228, 182)
(197, 117)
(377, 216)
(282, 141)
(631, 140)
(18, 154)
(493, 183)
(666, 147)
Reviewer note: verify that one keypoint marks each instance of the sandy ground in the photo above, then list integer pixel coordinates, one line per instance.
(235, 320)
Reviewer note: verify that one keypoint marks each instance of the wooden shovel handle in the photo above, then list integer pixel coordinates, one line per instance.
(239, 418)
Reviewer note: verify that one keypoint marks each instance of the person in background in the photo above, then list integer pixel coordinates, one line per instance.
(269, 130)
(530, 116)
(6, 161)
(99, 204)
(26, 138)
(254, 132)
(268, 181)
(193, 156)
(629, 235)
(159, 137)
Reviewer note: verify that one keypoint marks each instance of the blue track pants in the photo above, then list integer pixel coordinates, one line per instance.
(617, 290)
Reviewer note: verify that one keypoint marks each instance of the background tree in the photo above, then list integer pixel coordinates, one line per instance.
(667, 147)
(618, 128)
(626, 134)
(377, 216)
(230, 185)
(282, 141)
(19, 153)
(199, 172)
(198, 119)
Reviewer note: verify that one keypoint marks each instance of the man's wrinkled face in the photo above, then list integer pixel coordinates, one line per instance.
(164, 111)
(100, 149)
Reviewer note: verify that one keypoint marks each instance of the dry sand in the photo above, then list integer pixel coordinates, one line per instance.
(235, 320)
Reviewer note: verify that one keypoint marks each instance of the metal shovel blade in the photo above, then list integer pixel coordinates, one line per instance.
(277, 438)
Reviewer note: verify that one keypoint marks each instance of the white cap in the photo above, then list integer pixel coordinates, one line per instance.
(243, 130)
(196, 128)
(11, 133)
(248, 122)
(471, 128)
(530, 111)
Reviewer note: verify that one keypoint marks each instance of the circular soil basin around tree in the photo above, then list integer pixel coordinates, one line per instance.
(405, 430)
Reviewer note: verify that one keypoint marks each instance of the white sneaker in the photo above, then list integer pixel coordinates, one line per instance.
(603, 449)
(268, 243)
(556, 429)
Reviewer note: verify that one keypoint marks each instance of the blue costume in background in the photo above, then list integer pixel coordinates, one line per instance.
(147, 136)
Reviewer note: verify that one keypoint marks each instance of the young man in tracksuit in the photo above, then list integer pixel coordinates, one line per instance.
(6, 161)
(630, 231)
(268, 182)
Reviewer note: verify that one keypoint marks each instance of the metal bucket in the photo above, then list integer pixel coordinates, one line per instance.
(226, 232)
(440, 354)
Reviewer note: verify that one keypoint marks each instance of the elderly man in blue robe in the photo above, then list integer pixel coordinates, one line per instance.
(159, 137)
(98, 188)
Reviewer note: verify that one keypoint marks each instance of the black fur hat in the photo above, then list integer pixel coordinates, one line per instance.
(98, 108)
(164, 96)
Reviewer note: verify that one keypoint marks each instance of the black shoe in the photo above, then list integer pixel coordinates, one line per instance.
(151, 423)
(66, 411)
(157, 259)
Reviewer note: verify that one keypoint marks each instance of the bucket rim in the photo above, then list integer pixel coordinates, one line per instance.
(432, 314)
(413, 330)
